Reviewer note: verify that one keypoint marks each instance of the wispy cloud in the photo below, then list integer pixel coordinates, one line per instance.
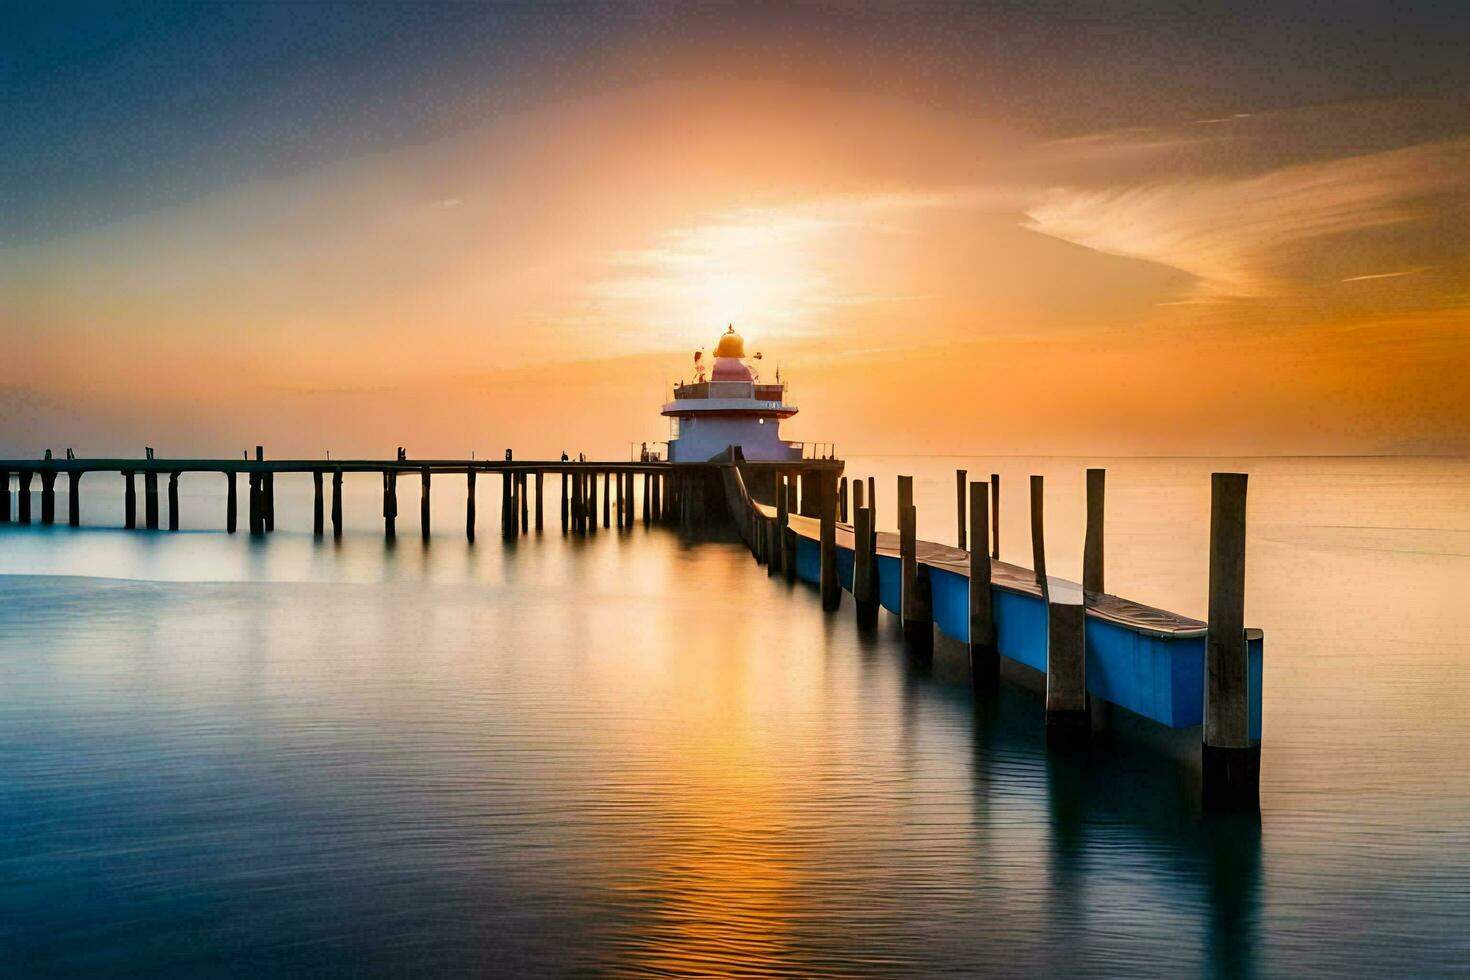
(1388, 275)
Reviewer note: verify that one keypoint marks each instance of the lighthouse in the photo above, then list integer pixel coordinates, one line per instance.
(730, 407)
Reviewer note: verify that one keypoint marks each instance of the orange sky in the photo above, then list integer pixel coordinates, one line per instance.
(928, 280)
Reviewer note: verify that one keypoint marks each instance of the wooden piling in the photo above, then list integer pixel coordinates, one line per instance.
(231, 503)
(74, 498)
(1092, 547)
(995, 516)
(960, 491)
(788, 534)
(390, 503)
(424, 479)
(811, 493)
(48, 497)
(607, 498)
(4, 496)
(1038, 535)
(565, 504)
(1231, 758)
(336, 504)
(592, 502)
(130, 501)
(469, 505)
(984, 654)
(873, 501)
(831, 587)
(918, 616)
(620, 506)
(253, 504)
(647, 502)
(318, 510)
(1066, 657)
(857, 497)
(507, 501)
(864, 568)
(540, 514)
(173, 501)
(150, 500)
(842, 500)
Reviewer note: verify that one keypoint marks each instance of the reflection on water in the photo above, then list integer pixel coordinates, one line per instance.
(637, 755)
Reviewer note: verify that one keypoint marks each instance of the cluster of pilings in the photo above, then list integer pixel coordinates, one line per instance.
(1230, 756)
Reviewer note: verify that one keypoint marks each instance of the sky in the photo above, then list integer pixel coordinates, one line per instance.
(1023, 228)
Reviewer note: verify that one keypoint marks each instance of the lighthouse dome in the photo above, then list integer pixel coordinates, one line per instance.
(731, 344)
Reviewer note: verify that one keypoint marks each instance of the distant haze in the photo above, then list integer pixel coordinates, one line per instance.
(1002, 229)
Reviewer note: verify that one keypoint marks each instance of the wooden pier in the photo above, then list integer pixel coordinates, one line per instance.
(1088, 646)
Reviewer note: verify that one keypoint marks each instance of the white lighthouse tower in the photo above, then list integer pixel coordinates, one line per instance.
(731, 408)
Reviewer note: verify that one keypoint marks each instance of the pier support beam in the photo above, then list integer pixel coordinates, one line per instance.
(857, 497)
(995, 516)
(1092, 547)
(4, 496)
(984, 654)
(1230, 757)
(130, 501)
(607, 499)
(390, 504)
(916, 605)
(318, 507)
(150, 500)
(540, 514)
(424, 502)
(830, 585)
(780, 558)
(525, 502)
(959, 491)
(1066, 659)
(231, 503)
(469, 505)
(647, 498)
(253, 504)
(268, 500)
(564, 503)
(592, 502)
(74, 498)
(24, 495)
(864, 568)
(507, 502)
(873, 501)
(621, 505)
(842, 500)
(336, 504)
(173, 501)
(48, 497)
(811, 494)
(788, 534)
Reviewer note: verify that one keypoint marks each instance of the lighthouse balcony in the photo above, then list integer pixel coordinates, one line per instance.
(731, 389)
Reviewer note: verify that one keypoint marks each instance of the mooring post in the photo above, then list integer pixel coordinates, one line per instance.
(253, 504)
(831, 586)
(74, 498)
(864, 577)
(540, 514)
(984, 655)
(959, 490)
(390, 503)
(4, 496)
(1066, 618)
(918, 618)
(336, 503)
(150, 500)
(173, 500)
(424, 502)
(318, 508)
(130, 501)
(48, 497)
(231, 503)
(1092, 546)
(995, 516)
(1231, 758)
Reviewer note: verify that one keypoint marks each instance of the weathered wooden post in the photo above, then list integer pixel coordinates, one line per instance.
(864, 568)
(830, 585)
(647, 498)
(336, 503)
(525, 484)
(873, 500)
(842, 500)
(48, 497)
(1066, 661)
(269, 498)
(1231, 758)
(811, 493)
(390, 503)
(788, 534)
(173, 500)
(565, 505)
(469, 504)
(424, 502)
(150, 500)
(857, 497)
(231, 503)
(318, 508)
(995, 516)
(540, 514)
(607, 498)
(4, 496)
(619, 508)
(984, 654)
(918, 616)
(779, 557)
(1092, 547)
(74, 498)
(507, 499)
(254, 503)
(130, 501)
(959, 490)
(592, 502)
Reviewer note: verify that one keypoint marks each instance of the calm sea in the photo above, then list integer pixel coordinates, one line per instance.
(634, 754)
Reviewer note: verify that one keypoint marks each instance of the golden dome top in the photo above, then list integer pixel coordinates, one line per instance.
(731, 344)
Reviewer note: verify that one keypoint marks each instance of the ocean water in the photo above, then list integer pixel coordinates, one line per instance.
(639, 755)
